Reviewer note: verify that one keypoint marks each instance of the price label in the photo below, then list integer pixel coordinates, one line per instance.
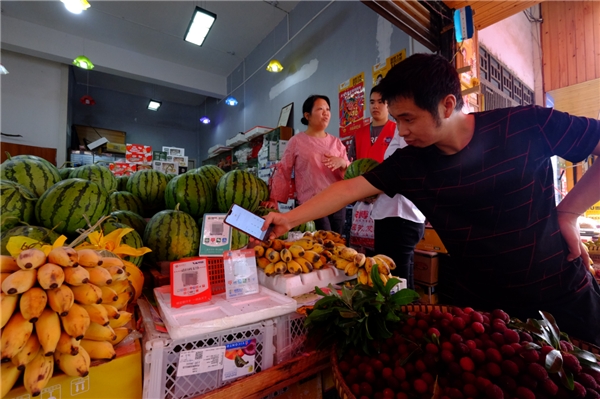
(200, 361)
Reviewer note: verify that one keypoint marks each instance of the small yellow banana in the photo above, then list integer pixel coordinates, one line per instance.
(20, 281)
(61, 299)
(117, 273)
(307, 267)
(48, 331)
(9, 374)
(297, 251)
(318, 264)
(294, 267)
(76, 275)
(99, 350)
(259, 251)
(285, 255)
(108, 261)
(108, 294)
(125, 317)
(98, 313)
(351, 269)
(8, 305)
(31, 258)
(340, 263)
(311, 256)
(97, 332)
(273, 255)
(318, 248)
(348, 253)
(277, 244)
(369, 262)
(67, 344)
(50, 276)
(87, 294)
(74, 366)
(8, 264)
(89, 258)
(14, 335)
(384, 278)
(362, 276)
(390, 262)
(360, 259)
(37, 373)
(121, 333)
(382, 265)
(28, 353)
(63, 256)
(100, 276)
(124, 298)
(280, 267)
(306, 244)
(76, 322)
(32, 303)
(111, 311)
(270, 269)
(121, 286)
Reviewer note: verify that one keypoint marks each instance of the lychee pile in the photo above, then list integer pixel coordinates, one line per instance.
(470, 354)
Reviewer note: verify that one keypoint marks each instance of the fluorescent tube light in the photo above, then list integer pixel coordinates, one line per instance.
(200, 25)
(154, 105)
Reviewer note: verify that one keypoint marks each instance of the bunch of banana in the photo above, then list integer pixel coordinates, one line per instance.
(383, 263)
(592, 246)
(65, 308)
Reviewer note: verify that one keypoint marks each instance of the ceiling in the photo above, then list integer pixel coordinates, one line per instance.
(156, 29)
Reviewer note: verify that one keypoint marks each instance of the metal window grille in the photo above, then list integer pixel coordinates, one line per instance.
(500, 88)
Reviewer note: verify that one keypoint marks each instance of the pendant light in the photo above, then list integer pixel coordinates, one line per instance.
(205, 119)
(83, 62)
(231, 101)
(274, 66)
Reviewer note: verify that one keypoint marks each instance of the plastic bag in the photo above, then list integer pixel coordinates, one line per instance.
(362, 232)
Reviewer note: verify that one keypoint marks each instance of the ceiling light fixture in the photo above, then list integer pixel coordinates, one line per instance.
(154, 105)
(3, 71)
(274, 66)
(200, 25)
(231, 101)
(76, 6)
(83, 62)
(205, 119)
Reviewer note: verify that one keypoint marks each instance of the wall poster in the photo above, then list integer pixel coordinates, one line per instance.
(380, 70)
(352, 104)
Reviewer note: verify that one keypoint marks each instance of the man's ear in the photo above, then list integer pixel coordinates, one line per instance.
(448, 103)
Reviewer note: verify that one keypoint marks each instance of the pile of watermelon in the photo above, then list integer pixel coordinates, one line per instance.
(42, 202)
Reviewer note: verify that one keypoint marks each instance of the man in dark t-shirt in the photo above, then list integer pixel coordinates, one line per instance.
(486, 184)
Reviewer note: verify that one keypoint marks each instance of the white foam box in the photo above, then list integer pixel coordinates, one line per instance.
(220, 313)
(235, 140)
(161, 354)
(294, 285)
(256, 131)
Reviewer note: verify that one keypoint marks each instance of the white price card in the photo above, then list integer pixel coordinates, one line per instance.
(200, 361)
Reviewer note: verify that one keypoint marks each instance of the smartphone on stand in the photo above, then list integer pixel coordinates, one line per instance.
(247, 222)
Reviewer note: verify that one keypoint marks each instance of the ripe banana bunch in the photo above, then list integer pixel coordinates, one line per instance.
(592, 246)
(66, 308)
(365, 264)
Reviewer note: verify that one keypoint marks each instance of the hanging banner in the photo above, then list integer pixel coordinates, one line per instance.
(380, 70)
(352, 104)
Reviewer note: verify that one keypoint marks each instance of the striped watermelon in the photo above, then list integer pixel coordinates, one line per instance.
(238, 187)
(122, 182)
(133, 239)
(192, 192)
(149, 186)
(42, 234)
(304, 227)
(64, 205)
(238, 239)
(360, 167)
(131, 219)
(65, 172)
(35, 173)
(17, 204)
(211, 172)
(96, 173)
(264, 189)
(171, 235)
(125, 201)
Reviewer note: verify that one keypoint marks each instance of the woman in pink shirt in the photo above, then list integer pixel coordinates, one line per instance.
(317, 158)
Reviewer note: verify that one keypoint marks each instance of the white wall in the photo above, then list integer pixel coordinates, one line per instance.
(512, 41)
(34, 100)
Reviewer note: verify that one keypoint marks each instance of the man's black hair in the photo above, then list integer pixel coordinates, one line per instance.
(424, 78)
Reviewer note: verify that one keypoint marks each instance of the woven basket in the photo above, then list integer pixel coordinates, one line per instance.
(344, 390)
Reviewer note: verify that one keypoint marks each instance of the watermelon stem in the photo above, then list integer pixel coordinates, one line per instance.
(8, 155)
(87, 232)
(66, 163)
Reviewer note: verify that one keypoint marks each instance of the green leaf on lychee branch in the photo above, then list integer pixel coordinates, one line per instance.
(552, 328)
(566, 378)
(554, 361)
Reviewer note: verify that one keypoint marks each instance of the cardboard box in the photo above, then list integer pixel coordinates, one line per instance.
(159, 155)
(281, 146)
(265, 174)
(282, 133)
(431, 242)
(116, 147)
(122, 168)
(426, 267)
(120, 378)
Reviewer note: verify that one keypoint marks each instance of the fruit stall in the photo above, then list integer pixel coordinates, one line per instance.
(106, 291)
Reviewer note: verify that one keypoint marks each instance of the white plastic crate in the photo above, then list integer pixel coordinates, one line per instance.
(291, 336)
(298, 284)
(161, 357)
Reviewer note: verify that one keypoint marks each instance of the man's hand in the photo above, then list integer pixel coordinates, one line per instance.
(280, 223)
(335, 163)
(569, 229)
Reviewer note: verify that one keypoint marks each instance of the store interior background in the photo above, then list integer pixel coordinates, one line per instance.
(330, 43)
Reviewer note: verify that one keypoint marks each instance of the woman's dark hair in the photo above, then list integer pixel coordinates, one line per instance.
(309, 103)
(424, 78)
